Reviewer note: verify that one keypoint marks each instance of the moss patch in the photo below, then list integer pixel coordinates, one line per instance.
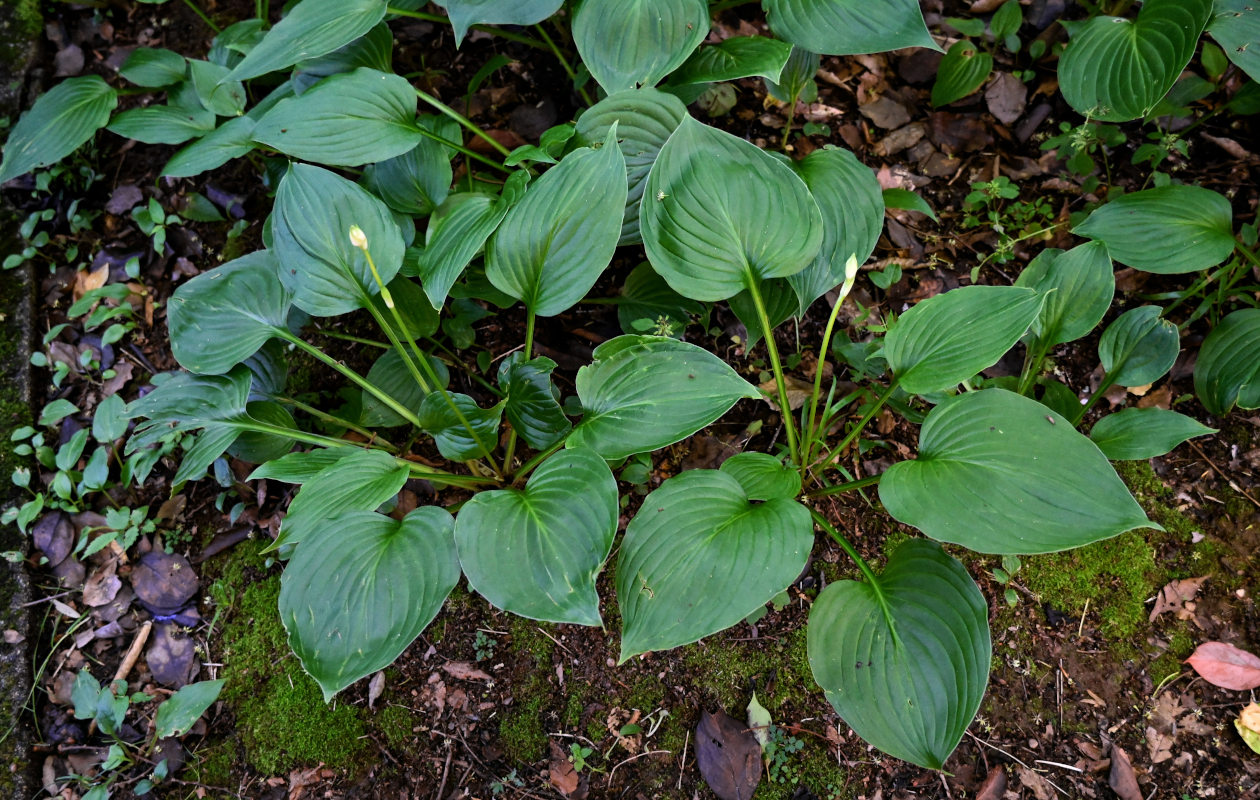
(779, 670)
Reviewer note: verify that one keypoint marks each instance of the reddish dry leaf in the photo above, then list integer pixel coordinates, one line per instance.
(994, 786)
(561, 774)
(1123, 780)
(1175, 595)
(464, 671)
(1226, 666)
(728, 756)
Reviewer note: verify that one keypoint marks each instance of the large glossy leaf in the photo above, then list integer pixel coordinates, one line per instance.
(374, 50)
(531, 406)
(537, 552)
(763, 476)
(357, 482)
(700, 556)
(186, 402)
(311, 223)
(852, 206)
(1115, 69)
(1228, 370)
(641, 393)
(417, 181)
(362, 587)
(720, 212)
(62, 119)
(1169, 229)
(963, 70)
(162, 124)
(947, 339)
(390, 375)
(349, 119)
(734, 58)
(847, 27)
(312, 29)
(221, 317)
(1139, 347)
(1077, 286)
(553, 245)
(904, 660)
(1236, 26)
(457, 232)
(1137, 433)
(631, 43)
(454, 440)
(645, 118)
(998, 474)
(230, 140)
(646, 296)
(466, 13)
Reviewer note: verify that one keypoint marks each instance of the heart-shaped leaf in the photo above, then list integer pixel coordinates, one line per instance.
(454, 440)
(1077, 286)
(735, 58)
(963, 70)
(763, 476)
(849, 27)
(531, 406)
(417, 181)
(1236, 26)
(62, 119)
(641, 393)
(349, 119)
(553, 245)
(1115, 69)
(1000, 473)
(1228, 370)
(466, 13)
(904, 659)
(220, 318)
(947, 339)
(362, 587)
(721, 212)
(700, 556)
(1138, 433)
(1167, 230)
(314, 212)
(645, 118)
(312, 29)
(536, 552)
(1139, 347)
(357, 482)
(631, 43)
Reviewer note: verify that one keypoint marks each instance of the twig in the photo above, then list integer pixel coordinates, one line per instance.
(682, 764)
(446, 771)
(1224, 477)
(632, 758)
(1017, 761)
(129, 660)
(1057, 764)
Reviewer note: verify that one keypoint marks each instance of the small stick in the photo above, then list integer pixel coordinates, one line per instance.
(1224, 477)
(129, 660)
(446, 771)
(632, 758)
(682, 764)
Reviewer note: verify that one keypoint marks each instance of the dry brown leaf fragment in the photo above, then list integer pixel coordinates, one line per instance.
(798, 391)
(1123, 780)
(994, 786)
(465, 671)
(561, 774)
(1039, 786)
(1226, 666)
(728, 756)
(1160, 745)
(1175, 595)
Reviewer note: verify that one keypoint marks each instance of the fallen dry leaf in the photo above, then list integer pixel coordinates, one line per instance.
(1123, 780)
(13, 637)
(1039, 786)
(994, 786)
(1226, 666)
(1160, 745)
(728, 756)
(560, 773)
(464, 671)
(1175, 595)
(798, 391)
(375, 687)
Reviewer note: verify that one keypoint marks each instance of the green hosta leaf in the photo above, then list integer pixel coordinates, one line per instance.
(345, 120)
(904, 659)
(466, 13)
(374, 50)
(162, 124)
(1115, 69)
(998, 474)
(734, 58)
(1138, 433)
(180, 711)
(1139, 347)
(781, 303)
(631, 43)
(947, 339)
(314, 212)
(1077, 286)
(553, 245)
(187, 402)
(218, 94)
(700, 556)
(312, 29)
(848, 194)
(255, 447)
(230, 140)
(62, 119)
(1236, 26)
(531, 406)
(1228, 370)
(454, 441)
(457, 232)
(848, 27)
(419, 319)
(645, 118)
(641, 393)
(796, 82)
(908, 200)
(537, 552)
(646, 296)
(362, 587)
(301, 467)
(763, 476)
(390, 375)
(963, 70)
(417, 181)
(153, 67)
(354, 483)
(220, 318)
(1169, 229)
(720, 212)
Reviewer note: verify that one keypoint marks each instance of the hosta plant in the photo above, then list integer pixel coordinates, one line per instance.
(527, 502)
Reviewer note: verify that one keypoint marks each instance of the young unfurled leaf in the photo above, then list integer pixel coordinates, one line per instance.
(1138, 433)
(963, 70)
(1077, 285)
(531, 406)
(1139, 347)
(1228, 370)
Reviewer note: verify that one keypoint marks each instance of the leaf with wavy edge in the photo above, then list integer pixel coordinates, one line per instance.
(1228, 370)
(1166, 230)
(631, 43)
(849, 27)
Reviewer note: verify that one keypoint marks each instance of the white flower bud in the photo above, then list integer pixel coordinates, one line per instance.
(358, 238)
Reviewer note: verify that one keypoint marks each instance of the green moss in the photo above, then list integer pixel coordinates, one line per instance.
(1155, 497)
(394, 724)
(212, 765)
(779, 669)
(527, 637)
(574, 705)
(522, 732)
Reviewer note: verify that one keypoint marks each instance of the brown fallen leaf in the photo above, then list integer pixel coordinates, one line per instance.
(1039, 786)
(375, 687)
(1123, 780)
(1160, 745)
(465, 671)
(1175, 595)
(561, 774)
(798, 391)
(728, 756)
(1226, 666)
(994, 786)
